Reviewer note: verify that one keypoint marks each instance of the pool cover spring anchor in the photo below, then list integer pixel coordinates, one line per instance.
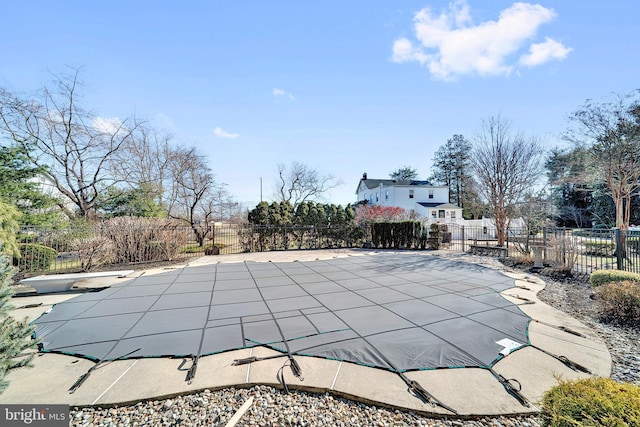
(566, 361)
(561, 328)
(191, 373)
(424, 395)
(247, 360)
(86, 375)
(509, 387)
(295, 370)
(526, 300)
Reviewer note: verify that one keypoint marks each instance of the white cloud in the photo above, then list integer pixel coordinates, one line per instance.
(279, 93)
(111, 126)
(539, 53)
(218, 132)
(450, 45)
(403, 51)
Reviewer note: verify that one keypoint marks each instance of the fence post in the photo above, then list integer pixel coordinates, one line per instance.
(286, 237)
(544, 243)
(619, 255)
(462, 232)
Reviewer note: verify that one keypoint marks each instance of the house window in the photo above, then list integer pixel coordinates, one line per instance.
(386, 195)
(377, 197)
(433, 214)
(411, 194)
(431, 194)
(441, 213)
(453, 214)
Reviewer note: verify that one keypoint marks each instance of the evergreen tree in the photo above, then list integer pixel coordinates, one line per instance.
(302, 214)
(9, 226)
(286, 213)
(138, 202)
(405, 173)
(15, 336)
(19, 187)
(452, 168)
(350, 214)
(572, 182)
(260, 214)
(275, 215)
(317, 215)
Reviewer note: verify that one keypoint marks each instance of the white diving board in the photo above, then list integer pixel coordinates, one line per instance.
(64, 282)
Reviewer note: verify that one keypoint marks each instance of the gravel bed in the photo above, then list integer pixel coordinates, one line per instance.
(272, 407)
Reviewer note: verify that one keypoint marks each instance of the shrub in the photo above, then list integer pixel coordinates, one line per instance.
(145, 239)
(402, 234)
(602, 277)
(591, 402)
(566, 251)
(15, 339)
(599, 247)
(435, 236)
(620, 302)
(93, 251)
(602, 232)
(9, 216)
(34, 257)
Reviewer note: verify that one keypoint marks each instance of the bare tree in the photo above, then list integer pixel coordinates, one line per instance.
(192, 193)
(611, 131)
(73, 147)
(299, 183)
(143, 163)
(507, 165)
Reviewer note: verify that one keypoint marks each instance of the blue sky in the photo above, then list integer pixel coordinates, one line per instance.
(341, 86)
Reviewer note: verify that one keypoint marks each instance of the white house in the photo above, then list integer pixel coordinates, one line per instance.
(429, 201)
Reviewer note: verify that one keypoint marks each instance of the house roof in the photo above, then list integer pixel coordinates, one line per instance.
(375, 183)
(439, 205)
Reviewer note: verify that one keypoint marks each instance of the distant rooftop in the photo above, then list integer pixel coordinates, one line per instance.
(374, 183)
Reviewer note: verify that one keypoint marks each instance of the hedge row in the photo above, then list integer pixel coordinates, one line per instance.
(402, 234)
(602, 277)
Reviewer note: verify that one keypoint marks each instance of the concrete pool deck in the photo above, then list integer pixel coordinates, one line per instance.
(470, 391)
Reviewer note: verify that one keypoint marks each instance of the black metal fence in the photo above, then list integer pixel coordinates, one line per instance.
(263, 238)
(82, 249)
(85, 248)
(579, 251)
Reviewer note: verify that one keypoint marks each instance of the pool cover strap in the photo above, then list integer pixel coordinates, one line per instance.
(295, 370)
(423, 394)
(295, 367)
(247, 360)
(191, 374)
(513, 391)
(86, 375)
(566, 361)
